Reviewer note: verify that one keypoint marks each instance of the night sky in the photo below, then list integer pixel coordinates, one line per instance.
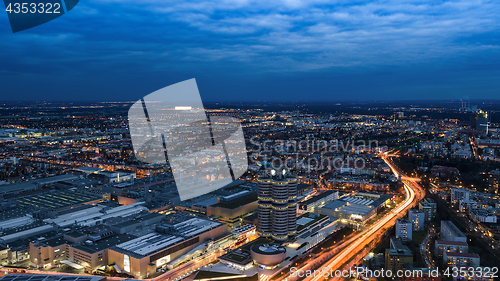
(277, 51)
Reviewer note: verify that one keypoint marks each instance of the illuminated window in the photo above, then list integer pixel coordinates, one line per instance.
(126, 263)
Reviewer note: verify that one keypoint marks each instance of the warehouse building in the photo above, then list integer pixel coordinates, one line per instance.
(141, 256)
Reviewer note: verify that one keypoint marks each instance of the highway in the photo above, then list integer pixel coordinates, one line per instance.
(358, 242)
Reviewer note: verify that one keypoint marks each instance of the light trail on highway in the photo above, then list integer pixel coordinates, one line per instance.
(365, 237)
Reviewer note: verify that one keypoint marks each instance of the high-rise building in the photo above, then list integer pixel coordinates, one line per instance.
(277, 211)
(403, 230)
(429, 207)
(417, 218)
(479, 121)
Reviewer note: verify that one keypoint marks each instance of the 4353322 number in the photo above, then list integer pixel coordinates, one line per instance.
(478, 272)
(33, 8)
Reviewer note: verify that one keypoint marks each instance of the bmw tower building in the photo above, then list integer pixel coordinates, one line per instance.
(277, 213)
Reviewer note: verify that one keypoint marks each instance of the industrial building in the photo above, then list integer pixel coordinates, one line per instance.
(356, 208)
(142, 256)
(316, 201)
(231, 209)
(309, 221)
(26, 186)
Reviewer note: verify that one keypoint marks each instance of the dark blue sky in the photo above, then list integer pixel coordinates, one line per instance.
(286, 50)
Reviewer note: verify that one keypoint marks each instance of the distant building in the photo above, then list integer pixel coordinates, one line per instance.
(479, 121)
(450, 232)
(403, 230)
(442, 246)
(417, 218)
(480, 215)
(429, 207)
(460, 259)
(460, 194)
(277, 210)
(113, 177)
(493, 181)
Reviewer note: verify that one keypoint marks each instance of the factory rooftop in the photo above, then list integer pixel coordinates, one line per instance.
(106, 243)
(149, 243)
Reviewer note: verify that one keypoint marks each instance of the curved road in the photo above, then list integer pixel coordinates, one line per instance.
(368, 235)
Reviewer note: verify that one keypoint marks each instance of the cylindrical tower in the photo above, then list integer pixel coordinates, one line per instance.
(277, 216)
(264, 225)
(292, 206)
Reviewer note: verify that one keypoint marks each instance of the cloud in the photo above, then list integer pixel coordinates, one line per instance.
(255, 37)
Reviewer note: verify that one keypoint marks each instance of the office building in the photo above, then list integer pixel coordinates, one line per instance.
(449, 232)
(417, 218)
(403, 230)
(429, 207)
(277, 207)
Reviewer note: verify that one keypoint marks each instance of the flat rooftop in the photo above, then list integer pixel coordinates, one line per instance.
(237, 203)
(318, 197)
(458, 243)
(462, 255)
(105, 243)
(399, 252)
(194, 226)
(56, 199)
(453, 228)
(237, 257)
(34, 184)
(150, 243)
(308, 219)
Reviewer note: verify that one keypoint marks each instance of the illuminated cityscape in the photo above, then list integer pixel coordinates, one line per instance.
(322, 190)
